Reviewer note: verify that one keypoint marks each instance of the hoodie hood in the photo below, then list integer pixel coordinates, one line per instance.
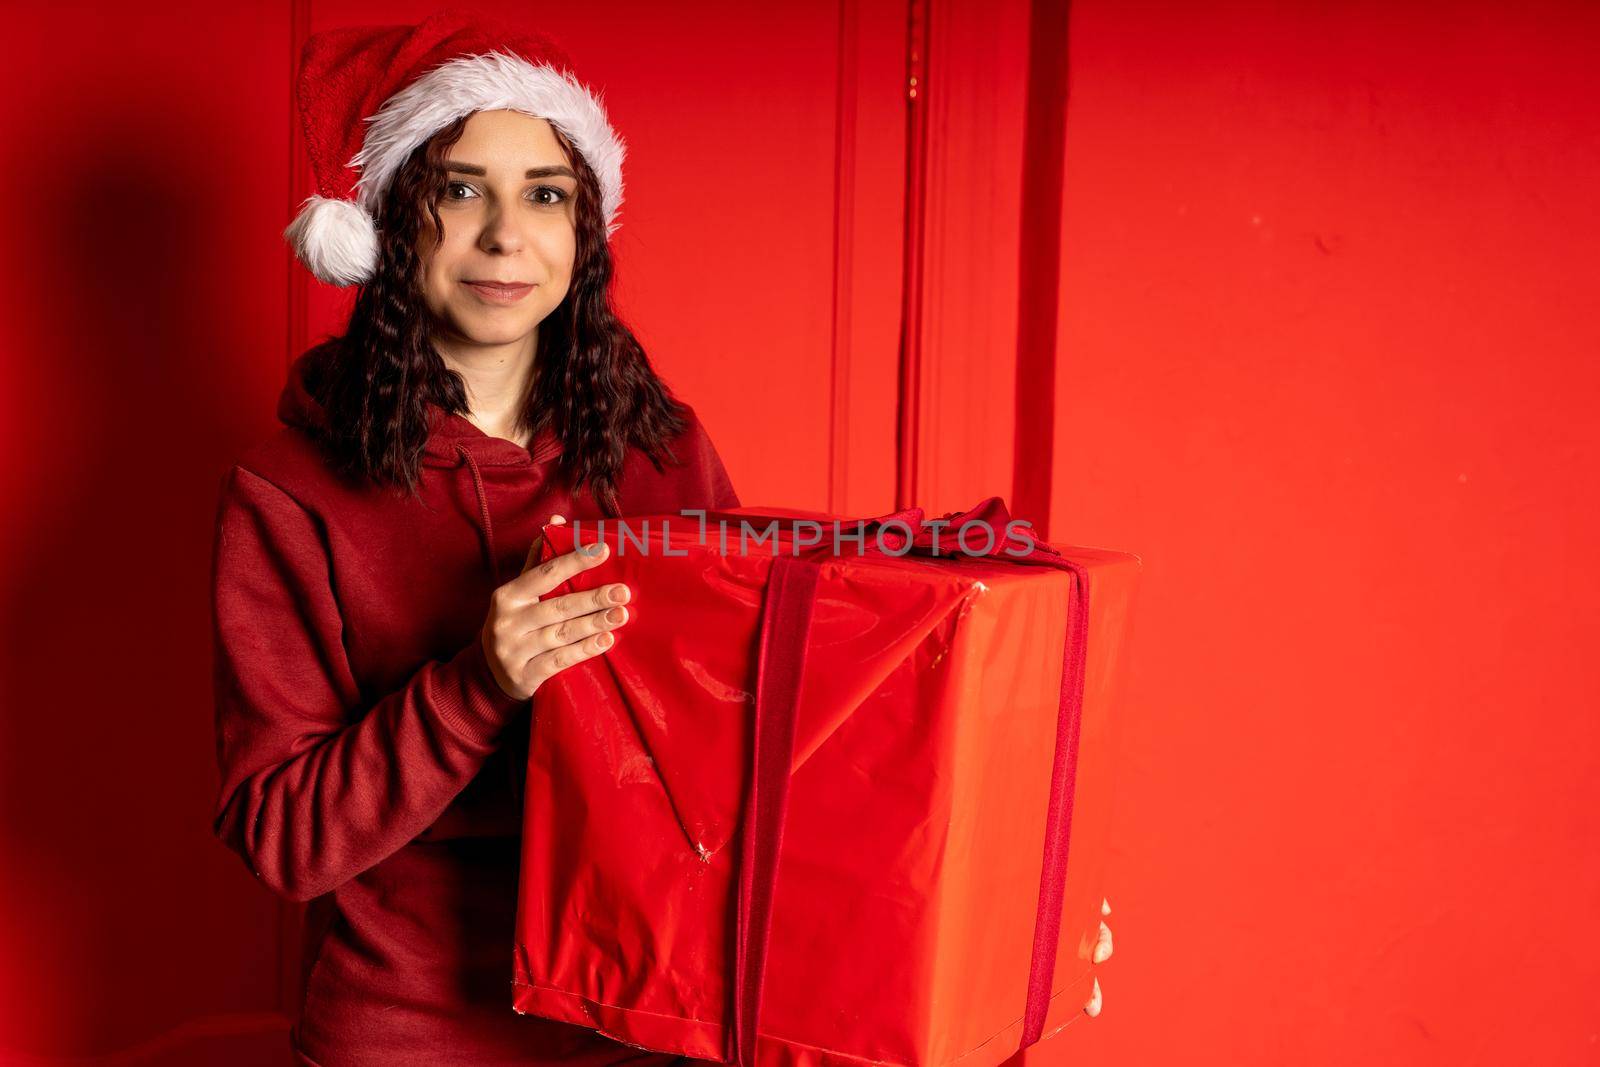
(453, 443)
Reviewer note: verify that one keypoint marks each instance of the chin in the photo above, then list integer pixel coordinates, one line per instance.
(491, 330)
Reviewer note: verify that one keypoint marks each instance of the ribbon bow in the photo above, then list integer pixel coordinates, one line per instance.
(937, 536)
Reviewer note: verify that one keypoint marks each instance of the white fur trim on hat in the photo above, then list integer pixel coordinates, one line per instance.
(491, 81)
(335, 239)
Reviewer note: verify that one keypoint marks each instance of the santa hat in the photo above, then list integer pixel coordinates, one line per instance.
(369, 95)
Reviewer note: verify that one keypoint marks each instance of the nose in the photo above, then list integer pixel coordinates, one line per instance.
(500, 233)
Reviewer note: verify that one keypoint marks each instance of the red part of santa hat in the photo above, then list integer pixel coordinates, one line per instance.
(369, 95)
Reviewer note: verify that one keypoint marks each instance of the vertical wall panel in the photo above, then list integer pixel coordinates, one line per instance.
(976, 99)
(870, 180)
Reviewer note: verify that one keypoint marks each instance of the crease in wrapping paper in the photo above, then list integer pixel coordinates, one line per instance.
(874, 615)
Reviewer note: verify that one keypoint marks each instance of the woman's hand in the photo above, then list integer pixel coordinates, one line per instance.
(527, 639)
(1102, 952)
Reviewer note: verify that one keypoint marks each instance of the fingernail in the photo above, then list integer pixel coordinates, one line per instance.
(594, 549)
(618, 594)
(604, 640)
(616, 615)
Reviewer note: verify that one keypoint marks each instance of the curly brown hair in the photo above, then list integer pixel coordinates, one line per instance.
(593, 384)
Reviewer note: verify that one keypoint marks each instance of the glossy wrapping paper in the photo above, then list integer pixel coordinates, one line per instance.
(904, 913)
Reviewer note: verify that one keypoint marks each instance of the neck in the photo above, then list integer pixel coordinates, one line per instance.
(498, 378)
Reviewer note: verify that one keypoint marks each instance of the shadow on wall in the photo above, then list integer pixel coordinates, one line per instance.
(131, 935)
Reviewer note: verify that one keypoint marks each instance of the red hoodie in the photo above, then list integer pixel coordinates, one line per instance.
(370, 762)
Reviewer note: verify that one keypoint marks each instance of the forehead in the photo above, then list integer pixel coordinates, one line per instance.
(510, 139)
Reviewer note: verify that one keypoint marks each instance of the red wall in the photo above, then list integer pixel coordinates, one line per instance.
(1292, 310)
(1328, 364)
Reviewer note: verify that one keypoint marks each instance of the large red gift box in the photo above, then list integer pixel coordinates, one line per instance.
(829, 798)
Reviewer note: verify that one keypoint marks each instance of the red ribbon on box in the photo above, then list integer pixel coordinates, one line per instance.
(785, 625)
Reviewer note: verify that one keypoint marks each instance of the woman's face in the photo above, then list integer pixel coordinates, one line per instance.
(507, 212)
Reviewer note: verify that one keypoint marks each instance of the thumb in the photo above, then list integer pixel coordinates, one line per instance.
(532, 559)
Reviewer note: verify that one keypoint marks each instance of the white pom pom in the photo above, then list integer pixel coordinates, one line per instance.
(335, 239)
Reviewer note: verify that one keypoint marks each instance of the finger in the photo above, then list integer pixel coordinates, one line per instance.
(1093, 1007)
(554, 609)
(569, 631)
(535, 549)
(1105, 906)
(546, 665)
(1102, 946)
(541, 579)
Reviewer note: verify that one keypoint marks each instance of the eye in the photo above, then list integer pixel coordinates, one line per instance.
(451, 187)
(558, 195)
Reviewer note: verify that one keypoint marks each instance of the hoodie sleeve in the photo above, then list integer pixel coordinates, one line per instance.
(315, 789)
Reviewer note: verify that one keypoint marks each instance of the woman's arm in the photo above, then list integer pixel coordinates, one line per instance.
(309, 798)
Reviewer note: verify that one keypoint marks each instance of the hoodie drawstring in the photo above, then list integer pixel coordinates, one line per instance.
(483, 510)
(514, 771)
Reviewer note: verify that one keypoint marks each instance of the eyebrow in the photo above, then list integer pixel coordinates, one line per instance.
(533, 172)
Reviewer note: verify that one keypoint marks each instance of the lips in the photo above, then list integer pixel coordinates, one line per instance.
(497, 292)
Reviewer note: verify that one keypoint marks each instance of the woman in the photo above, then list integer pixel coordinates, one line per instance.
(379, 627)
